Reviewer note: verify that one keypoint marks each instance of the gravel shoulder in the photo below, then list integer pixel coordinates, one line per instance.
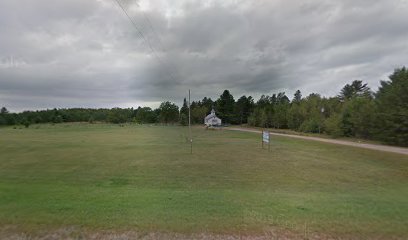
(399, 150)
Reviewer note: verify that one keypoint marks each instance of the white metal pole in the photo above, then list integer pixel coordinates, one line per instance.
(189, 123)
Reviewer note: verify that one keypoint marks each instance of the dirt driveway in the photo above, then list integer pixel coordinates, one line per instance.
(377, 147)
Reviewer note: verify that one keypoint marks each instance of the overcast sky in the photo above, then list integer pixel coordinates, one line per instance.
(86, 53)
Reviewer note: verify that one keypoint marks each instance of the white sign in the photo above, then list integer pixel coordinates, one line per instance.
(265, 136)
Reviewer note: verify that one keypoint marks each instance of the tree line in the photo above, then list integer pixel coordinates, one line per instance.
(356, 111)
(167, 113)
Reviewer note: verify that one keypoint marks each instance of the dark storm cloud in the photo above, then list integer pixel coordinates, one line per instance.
(87, 54)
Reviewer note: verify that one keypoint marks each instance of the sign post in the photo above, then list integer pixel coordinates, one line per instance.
(265, 139)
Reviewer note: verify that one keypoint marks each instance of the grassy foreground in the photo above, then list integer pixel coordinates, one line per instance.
(103, 176)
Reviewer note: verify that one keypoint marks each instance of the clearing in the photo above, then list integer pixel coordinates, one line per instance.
(101, 177)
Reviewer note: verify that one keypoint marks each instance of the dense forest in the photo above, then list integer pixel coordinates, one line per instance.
(357, 111)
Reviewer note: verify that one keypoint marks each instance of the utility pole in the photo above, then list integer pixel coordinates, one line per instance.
(189, 123)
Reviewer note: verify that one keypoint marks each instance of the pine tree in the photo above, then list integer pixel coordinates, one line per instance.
(225, 107)
(392, 102)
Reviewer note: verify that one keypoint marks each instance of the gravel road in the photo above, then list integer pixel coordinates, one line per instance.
(377, 147)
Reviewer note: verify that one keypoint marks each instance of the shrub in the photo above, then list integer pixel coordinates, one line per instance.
(311, 126)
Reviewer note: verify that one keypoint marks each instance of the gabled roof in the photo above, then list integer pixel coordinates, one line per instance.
(211, 115)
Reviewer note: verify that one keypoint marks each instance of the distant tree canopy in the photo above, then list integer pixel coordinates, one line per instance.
(355, 112)
(145, 115)
(168, 112)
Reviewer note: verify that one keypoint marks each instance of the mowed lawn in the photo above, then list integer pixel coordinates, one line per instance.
(101, 176)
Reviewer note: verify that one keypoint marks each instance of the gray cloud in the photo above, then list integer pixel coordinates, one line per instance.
(87, 54)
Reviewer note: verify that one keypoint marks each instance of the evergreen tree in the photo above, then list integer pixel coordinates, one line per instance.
(297, 97)
(4, 110)
(355, 89)
(225, 107)
(3, 117)
(184, 113)
(357, 117)
(207, 103)
(392, 114)
(243, 109)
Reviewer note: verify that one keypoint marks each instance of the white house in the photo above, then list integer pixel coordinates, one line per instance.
(212, 120)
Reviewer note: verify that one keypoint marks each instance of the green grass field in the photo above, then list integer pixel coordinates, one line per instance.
(101, 176)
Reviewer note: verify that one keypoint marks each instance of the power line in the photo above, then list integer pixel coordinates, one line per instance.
(145, 39)
(150, 25)
(135, 26)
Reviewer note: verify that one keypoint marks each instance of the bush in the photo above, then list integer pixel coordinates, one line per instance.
(26, 123)
(310, 126)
